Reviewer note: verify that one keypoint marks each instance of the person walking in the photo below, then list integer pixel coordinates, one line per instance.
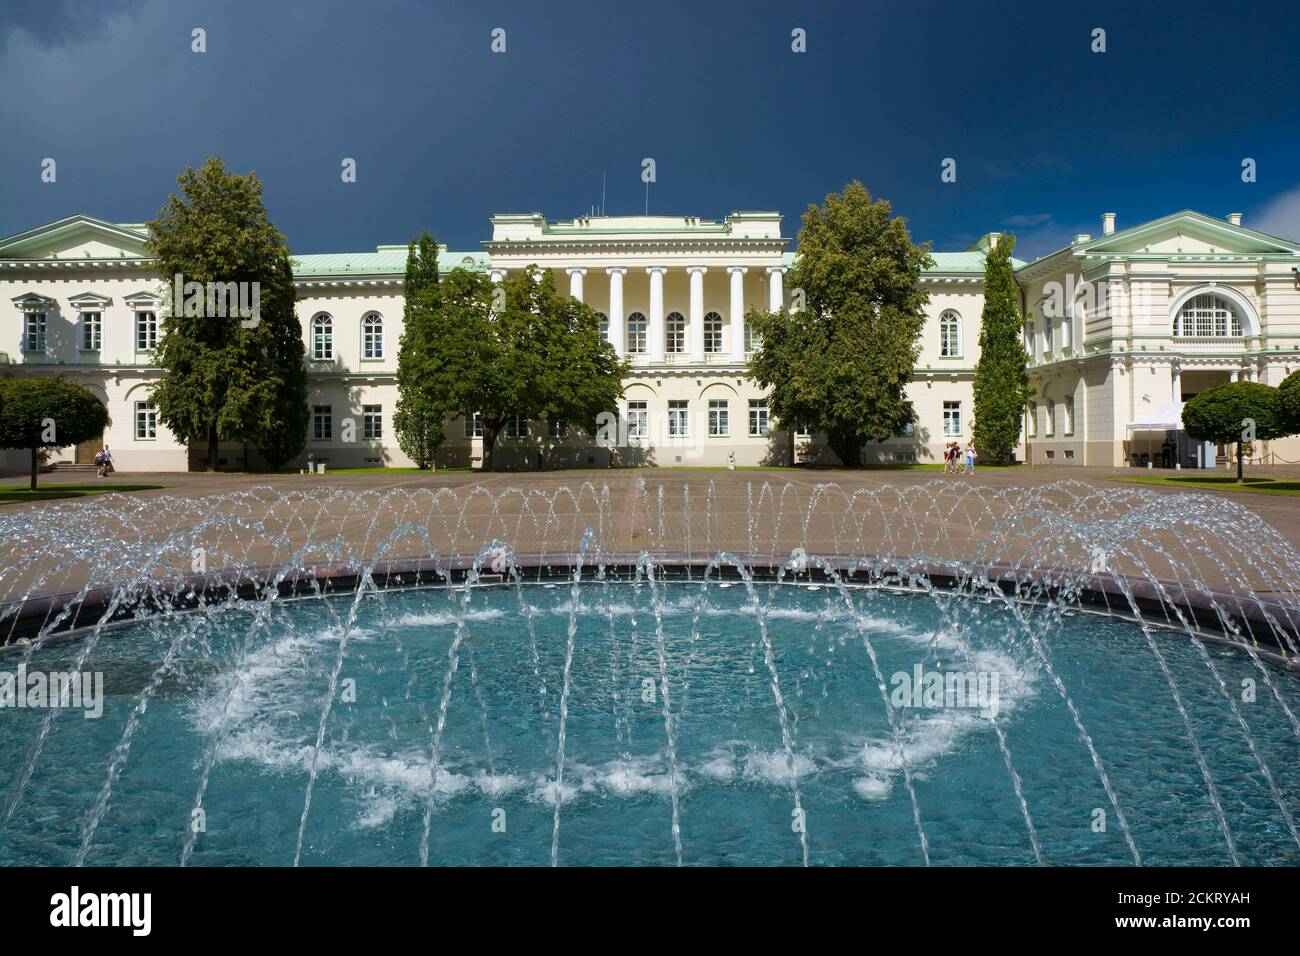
(970, 457)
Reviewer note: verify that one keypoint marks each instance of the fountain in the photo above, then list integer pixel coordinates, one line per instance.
(761, 673)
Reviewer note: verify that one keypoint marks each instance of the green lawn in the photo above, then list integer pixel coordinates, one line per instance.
(387, 471)
(9, 494)
(1263, 486)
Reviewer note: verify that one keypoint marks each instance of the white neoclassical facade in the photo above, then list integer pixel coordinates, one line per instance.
(1121, 330)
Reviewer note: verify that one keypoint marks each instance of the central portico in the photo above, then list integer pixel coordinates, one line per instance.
(671, 290)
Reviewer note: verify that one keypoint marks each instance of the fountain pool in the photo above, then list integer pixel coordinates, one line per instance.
(519, 723)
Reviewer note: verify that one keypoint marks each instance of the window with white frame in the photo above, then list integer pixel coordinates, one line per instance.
(474, 425)
(603, 321)
(372, 422)
(1049, 420)
(322, 338)
(34, 332)
(753, 341)
(679, 419)
(907, 431)
(556, 428)
(91, 331)
(636, 333)
(950, 334)
(146, 331)
(1067, 415)
(712, 332)
(674, 333)
(1208, 316)
(952, 419)
(802, 431)
(516, 426)
(719, 417)
(146, 421)
(1031, 420)
(322, 422)
(638, 420)
(758, 417)
(372, 336)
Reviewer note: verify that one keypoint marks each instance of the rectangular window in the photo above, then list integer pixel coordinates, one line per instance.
(34, 337)
(719, 415)
(146, 421)
(952, 419)
(516, 426)
(1067, 412)
(802, 431)
(474, 426)
(1031, 420)
(372, 422)
(556, 428)
(638, 420)
(675, 333)
(372, 337)
(90, 331)
(322, 422)
(908, 431)
(636, 337)
(146, 331)
(679, 419)
(1049, 423)
(753, 342)
(758, 417)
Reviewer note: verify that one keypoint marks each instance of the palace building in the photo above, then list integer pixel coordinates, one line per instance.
(1121, 329)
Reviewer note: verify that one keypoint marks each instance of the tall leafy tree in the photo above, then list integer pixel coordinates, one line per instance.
(1288, 404)
(1001, 376)
(841, 364)
(1234, 413)
(38, 413)
(228, 374)
(421, 403)
(518, 348)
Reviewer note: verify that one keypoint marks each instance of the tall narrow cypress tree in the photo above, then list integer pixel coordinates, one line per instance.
(418, 420)
(1001, 376)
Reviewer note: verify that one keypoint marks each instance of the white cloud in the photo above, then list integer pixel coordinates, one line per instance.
(1280, 216)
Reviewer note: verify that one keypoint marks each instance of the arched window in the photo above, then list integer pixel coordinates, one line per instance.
(603, 319)
(372, 335)
(950, 334)
(675, 332)
(1208, 316)
(636, 337)
(322, 338)
(712, 332)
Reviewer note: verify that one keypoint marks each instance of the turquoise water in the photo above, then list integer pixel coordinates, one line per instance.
(248, 690)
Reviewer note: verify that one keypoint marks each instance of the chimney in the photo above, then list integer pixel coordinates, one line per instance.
(1107, 223)
(1234, 218)
(1081, 237)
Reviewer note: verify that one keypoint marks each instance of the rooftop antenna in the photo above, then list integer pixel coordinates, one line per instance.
(602, 194)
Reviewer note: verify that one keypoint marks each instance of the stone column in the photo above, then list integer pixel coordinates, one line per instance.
(1178, 384)
(697, 312)
(655, 330)
(737, 274)
(575, 283)
(775, 293)
(617, 320)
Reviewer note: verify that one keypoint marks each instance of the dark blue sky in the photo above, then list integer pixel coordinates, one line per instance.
(1047, 134)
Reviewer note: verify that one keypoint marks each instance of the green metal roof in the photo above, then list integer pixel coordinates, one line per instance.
(388, 260)
(943, 261)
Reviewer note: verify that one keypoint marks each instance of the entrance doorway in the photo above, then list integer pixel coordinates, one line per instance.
(87, 450)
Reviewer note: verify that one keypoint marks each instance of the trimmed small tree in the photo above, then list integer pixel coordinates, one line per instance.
(38, 413)
(233, 374)
(840, 364)
(1234, 413)
(1288, 404)
(421, 404)
(1001, 375)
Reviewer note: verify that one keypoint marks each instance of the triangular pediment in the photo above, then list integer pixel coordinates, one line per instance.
(1187, 233)
(75, 238)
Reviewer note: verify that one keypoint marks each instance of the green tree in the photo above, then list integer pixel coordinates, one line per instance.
(231, 346)
(421, 404)
(841, 364)
(38, 413)
(540, 355)
(1001, 375)
(1235, 412)
(1288, 404)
